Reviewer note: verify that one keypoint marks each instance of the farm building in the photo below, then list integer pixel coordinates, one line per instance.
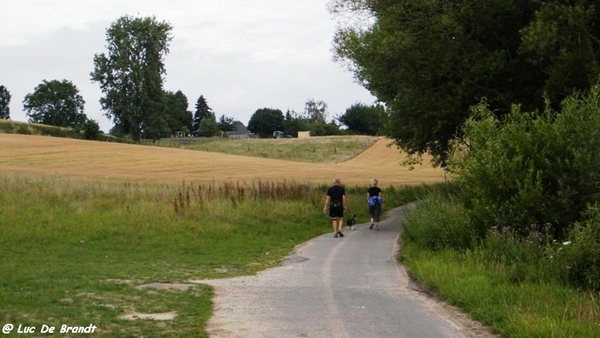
(239, 132)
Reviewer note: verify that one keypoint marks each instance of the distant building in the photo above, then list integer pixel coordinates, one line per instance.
(304, 134)
(239, 132)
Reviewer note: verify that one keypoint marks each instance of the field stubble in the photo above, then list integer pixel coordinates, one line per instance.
(71, 158)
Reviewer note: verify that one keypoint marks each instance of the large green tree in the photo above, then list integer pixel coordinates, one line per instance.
(429, 61)
(4, 103)
(265, 121)
(56, 103)
(131, 75)
(179, 117)
(364, 119)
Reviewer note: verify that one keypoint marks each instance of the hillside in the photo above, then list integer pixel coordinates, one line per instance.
(42, 155)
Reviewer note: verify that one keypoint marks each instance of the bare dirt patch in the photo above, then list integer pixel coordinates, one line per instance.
(149, 316)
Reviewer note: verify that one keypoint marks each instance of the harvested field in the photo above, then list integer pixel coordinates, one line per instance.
(90, 160)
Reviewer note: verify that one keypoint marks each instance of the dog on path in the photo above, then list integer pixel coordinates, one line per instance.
(351, 222)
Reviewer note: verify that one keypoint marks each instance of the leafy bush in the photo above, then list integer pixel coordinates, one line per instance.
(582, 254)
(531, 168)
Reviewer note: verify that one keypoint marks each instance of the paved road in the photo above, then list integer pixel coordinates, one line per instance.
(336, 287)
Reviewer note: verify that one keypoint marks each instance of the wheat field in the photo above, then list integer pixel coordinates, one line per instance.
(93, 160)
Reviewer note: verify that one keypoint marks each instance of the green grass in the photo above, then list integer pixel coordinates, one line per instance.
(314, 150)
(516, 297)
(526, 309)
(74, 252)
(14, 127)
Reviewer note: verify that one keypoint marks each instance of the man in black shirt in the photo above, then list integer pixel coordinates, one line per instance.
(336, 202)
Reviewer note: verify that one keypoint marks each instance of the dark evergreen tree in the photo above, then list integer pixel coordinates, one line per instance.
(4, 103)
(202, 112)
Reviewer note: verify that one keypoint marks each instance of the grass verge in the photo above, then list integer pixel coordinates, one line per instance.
(514, 298)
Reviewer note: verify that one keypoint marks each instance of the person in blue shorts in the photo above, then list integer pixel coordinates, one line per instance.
(374, 200)
(336, 203)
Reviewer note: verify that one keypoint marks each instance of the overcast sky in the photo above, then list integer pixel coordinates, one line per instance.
(241, 55)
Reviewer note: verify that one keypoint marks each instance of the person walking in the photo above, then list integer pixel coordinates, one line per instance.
(374, 201)
(336, 203)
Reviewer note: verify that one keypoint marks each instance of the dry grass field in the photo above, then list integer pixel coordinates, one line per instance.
(92, 160)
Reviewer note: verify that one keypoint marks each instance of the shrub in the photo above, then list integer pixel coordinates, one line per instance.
(582, 252)
(531, 168)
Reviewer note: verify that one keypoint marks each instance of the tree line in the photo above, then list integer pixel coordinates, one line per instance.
(131, 76)
(428, 62)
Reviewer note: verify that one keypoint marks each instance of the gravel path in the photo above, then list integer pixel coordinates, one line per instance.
(336, 287)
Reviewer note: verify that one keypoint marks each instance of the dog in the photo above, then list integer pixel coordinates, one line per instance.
(351, 222)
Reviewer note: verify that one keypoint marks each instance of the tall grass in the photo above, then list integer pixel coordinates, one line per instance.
(73, 252)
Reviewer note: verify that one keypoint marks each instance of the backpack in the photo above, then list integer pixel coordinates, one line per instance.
(375, 200)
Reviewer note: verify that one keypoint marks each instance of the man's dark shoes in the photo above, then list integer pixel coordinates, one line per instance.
(371, 227)
(340, 233)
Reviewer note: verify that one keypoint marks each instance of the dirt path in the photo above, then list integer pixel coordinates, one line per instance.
(336, 287)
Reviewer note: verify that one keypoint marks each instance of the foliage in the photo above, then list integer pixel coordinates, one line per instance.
(265, 121)
(4, 103)
(203, 111)
(208, 127)
(429, 61)
(582, 252)
(131, 75)
(531, 168)
(179, 118)
(91, 129)
(226, 123)
(363, 119)
(56, 103)
(563, 41)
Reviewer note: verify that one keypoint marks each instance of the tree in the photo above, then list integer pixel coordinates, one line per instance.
(91, 129)
(315, 113)
(202, 112)
(265, 121)
(429, 61)
(364, 119)
(208, 127)
(131, 75)
(179, 118)
(4, 103)
(56, 103)
(226, 123)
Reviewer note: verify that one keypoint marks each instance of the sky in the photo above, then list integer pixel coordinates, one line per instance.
(240, 55)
